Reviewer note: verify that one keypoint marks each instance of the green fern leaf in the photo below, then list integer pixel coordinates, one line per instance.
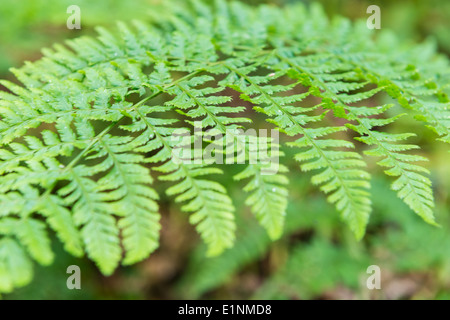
(92, 123)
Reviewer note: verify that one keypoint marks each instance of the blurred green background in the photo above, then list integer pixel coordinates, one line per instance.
(318, 257)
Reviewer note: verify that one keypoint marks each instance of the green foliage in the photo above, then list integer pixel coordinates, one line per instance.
(28, 25)
(315, 256)
(94, 121)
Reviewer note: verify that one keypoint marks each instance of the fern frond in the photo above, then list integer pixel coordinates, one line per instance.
(211, 208)
(16, 269)
(269, 198)
(411, 186)
(92, 120)
(341, 173)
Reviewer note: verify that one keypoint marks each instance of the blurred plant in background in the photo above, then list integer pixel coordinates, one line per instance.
(317, 257)
(28, 25)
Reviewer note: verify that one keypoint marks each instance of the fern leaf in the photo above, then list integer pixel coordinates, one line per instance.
(341, 170)
(411, 186)
(15, 267)
(90, 122)
(207, 200)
